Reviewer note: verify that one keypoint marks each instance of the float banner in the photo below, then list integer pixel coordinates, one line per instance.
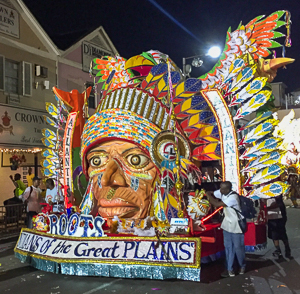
(176, 251)
(67, 146)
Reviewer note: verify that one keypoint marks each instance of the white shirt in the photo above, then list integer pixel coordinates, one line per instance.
(230, 221)
(274, 213)
(51, 195)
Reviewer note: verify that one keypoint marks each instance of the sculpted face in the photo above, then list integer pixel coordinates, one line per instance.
(123, 178)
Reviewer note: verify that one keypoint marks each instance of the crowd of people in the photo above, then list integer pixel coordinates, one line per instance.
(34, 197)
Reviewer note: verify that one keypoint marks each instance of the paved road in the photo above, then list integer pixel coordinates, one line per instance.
(264, 275)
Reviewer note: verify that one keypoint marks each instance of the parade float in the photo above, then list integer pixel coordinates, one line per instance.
(139, 155)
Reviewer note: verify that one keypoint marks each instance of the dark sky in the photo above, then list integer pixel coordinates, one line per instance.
(135, 26)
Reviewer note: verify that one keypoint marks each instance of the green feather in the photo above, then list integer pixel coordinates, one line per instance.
(275, 44)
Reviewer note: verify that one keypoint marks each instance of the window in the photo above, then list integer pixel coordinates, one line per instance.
(92, 102)
(11, 76)
(15, 77)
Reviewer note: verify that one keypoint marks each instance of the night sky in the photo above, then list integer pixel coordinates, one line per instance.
(135, 26)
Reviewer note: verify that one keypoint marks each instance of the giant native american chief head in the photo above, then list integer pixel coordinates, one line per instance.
(132, 147)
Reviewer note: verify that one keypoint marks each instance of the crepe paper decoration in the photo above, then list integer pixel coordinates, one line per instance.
(186, 89)
(247, 92)
(162, 86)
(141, 63)
(267, 174)
(207, 152)
(260, 131)
(253, 104)
(256, 120)
(190, 106)
(265, 146)
(155, 74)
(271, 190)
(197, 207)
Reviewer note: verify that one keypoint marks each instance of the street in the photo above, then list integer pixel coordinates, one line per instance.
(264, 275)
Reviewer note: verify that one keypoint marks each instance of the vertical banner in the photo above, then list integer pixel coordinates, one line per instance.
(67, 151)
(229, 148)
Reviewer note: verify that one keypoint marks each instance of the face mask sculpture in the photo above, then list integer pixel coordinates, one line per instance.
(122, 177)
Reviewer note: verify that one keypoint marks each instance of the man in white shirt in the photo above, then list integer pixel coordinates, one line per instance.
(233, 235)
(53, 198)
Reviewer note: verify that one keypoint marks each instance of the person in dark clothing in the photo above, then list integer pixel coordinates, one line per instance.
(277, 219)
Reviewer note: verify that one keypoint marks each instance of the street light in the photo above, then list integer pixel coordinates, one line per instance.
(213, 52)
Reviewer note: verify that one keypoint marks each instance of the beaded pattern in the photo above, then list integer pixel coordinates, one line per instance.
(118, 123)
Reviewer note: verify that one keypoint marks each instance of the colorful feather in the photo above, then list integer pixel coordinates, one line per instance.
(259, 149)
(242, 78)
(253, 104)
(270, 190)
(264, 161)
(260, 131)
(267, 174)
(247, 92)
(256, 120)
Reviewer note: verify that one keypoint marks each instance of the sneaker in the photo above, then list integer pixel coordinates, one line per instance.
(242, 270)
(227, 274)
(277, 253)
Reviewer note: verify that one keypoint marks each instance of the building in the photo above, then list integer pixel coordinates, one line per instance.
(74, 63)
(30, 65)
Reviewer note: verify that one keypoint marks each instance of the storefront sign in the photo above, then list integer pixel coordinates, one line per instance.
(9, 21)
(138, 250)
(21, 127)
(91, 51)
(67, 146)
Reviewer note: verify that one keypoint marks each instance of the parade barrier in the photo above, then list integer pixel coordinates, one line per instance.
(12, 218)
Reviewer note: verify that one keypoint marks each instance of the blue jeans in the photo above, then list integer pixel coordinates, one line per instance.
(234, 245)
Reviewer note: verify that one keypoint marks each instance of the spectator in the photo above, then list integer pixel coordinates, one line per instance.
(206, 177)
(20, 186)
(277, 219)
(233, 235)
(217, 176)
(29, 177)
(32, 196)
(53, 198)
(294, 188)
